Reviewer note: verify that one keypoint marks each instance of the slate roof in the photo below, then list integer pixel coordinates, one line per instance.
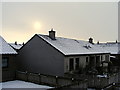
(5, 48)
(73, 47)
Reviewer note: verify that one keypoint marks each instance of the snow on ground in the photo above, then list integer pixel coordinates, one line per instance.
(22, 84)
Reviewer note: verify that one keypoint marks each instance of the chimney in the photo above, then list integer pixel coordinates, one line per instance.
(91, 40)
(52, 34)
(98, 42)
(15, 42)
(23, 44)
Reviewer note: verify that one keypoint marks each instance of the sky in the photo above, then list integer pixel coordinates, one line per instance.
(77, 20)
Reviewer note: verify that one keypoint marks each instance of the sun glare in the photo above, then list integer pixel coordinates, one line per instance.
(37, 25)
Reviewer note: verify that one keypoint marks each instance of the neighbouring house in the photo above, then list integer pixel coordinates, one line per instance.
(114, 49)
(8, 55)
(16, 46)
(48, 54)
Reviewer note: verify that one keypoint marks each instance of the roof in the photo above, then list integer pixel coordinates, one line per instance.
(72, 46)
(5, 48)
(16, 46)
(112, 47)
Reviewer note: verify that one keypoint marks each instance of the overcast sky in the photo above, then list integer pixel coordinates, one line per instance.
(79, 20)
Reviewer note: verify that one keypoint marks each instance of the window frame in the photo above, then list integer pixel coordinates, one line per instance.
(6, 61)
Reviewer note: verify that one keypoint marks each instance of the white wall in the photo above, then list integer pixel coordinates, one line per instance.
(82, 62)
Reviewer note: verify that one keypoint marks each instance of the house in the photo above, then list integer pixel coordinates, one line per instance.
(114, 49)
(48, 54)
(7, 54)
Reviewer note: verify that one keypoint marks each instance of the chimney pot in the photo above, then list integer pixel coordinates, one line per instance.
(52, 34)
(15, 42)
(98, 42)
(23, 44)
(91, 40)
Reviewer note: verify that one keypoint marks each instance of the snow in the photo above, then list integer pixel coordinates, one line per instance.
(112, 56)
(113, 48)
(18, 46)
(5, 48)
(101, 75)
(72, 46)
(22, 84)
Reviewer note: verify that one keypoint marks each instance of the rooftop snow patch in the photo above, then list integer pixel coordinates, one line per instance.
(18, 46)
(5, 48)
(113, 48)
(72, 46)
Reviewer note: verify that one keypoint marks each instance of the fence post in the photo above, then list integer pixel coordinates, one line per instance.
(15, 74)
(26, 73)
(56, 77)
(39, 78)
(72, 80)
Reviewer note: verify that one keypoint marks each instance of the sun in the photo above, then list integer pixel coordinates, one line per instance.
(37, 25)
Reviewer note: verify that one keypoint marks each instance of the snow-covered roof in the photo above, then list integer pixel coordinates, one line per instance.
(16, 46)
(113, 48)
(5, 48)
(72, 46)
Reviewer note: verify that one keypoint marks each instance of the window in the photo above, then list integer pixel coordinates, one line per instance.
(92, 60)
(98, 61)
(71, 64)
(4, 62)
(77, 63)
(107, 57)
(101, 57)
(87, 60)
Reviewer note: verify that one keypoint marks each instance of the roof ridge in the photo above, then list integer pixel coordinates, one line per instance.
(63, 38)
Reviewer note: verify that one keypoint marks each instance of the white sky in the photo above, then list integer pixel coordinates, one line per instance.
(79, 20)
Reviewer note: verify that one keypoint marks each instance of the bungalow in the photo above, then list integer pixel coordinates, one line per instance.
(7, 54)
(48, 54)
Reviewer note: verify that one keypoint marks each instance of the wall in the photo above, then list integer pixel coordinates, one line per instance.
(8, 73)
(39, 57)
(82, 62)
(54, 81)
